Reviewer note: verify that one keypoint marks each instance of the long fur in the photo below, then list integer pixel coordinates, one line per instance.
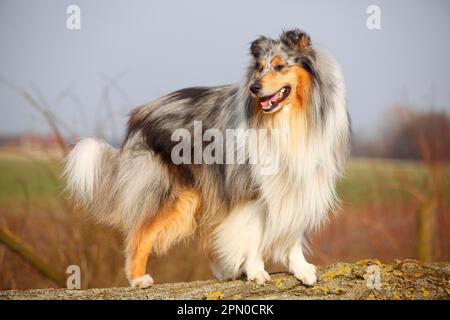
(243, 216)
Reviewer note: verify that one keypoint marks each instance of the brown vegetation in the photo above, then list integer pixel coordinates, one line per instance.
(389, 211)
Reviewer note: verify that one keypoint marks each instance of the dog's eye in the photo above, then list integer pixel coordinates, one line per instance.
(278, 67)
(258, 66)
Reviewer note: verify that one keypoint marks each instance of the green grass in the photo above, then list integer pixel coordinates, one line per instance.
(380, 181)
(25, 180)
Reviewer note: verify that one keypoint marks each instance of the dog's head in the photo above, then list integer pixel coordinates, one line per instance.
(281, 70)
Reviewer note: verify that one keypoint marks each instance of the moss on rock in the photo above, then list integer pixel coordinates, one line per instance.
(403, 279)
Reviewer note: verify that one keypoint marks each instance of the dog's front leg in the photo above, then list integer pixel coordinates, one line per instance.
(299, 267)
(237, 241)
(254, 267)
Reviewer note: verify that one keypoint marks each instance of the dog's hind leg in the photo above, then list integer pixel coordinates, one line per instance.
(174, 222)
(138, 246)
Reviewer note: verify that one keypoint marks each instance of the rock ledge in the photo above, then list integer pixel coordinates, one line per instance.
(403, 279)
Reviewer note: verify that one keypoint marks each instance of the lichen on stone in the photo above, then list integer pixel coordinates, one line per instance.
(216, 295)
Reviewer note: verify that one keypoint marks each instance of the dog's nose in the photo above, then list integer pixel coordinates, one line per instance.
(254, 88)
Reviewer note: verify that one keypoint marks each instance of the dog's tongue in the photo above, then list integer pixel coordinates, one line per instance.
(266, 103)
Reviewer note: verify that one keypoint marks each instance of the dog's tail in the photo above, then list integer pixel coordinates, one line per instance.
(89, 169)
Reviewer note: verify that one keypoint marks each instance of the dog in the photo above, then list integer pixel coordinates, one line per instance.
(295, 91)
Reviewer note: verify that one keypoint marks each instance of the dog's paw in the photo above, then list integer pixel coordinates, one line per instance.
(258, 276)
(306, 273)
(142, 282)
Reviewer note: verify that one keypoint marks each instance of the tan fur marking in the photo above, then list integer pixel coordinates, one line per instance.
(303, 43)
(263, 64)
(277, 60)
(303, 85)
(174, 222)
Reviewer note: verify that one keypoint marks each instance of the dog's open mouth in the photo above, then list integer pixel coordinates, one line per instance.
(270, 103)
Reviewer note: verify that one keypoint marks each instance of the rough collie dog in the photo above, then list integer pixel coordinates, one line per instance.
(294, 91)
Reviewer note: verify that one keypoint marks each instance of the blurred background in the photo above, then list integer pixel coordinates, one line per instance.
(59, 84)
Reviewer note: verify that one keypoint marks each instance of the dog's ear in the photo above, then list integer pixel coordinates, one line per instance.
(296, 39)
(259, 46)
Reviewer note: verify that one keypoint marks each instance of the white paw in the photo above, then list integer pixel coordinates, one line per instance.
(306, 273)
(142, 282)
(258, 276)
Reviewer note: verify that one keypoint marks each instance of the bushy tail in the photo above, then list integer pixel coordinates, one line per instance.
(88, 168)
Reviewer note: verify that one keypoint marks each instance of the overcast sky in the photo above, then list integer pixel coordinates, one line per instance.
(154, 47)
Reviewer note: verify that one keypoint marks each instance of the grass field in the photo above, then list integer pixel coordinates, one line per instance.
(378, 218)
(24, 179)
